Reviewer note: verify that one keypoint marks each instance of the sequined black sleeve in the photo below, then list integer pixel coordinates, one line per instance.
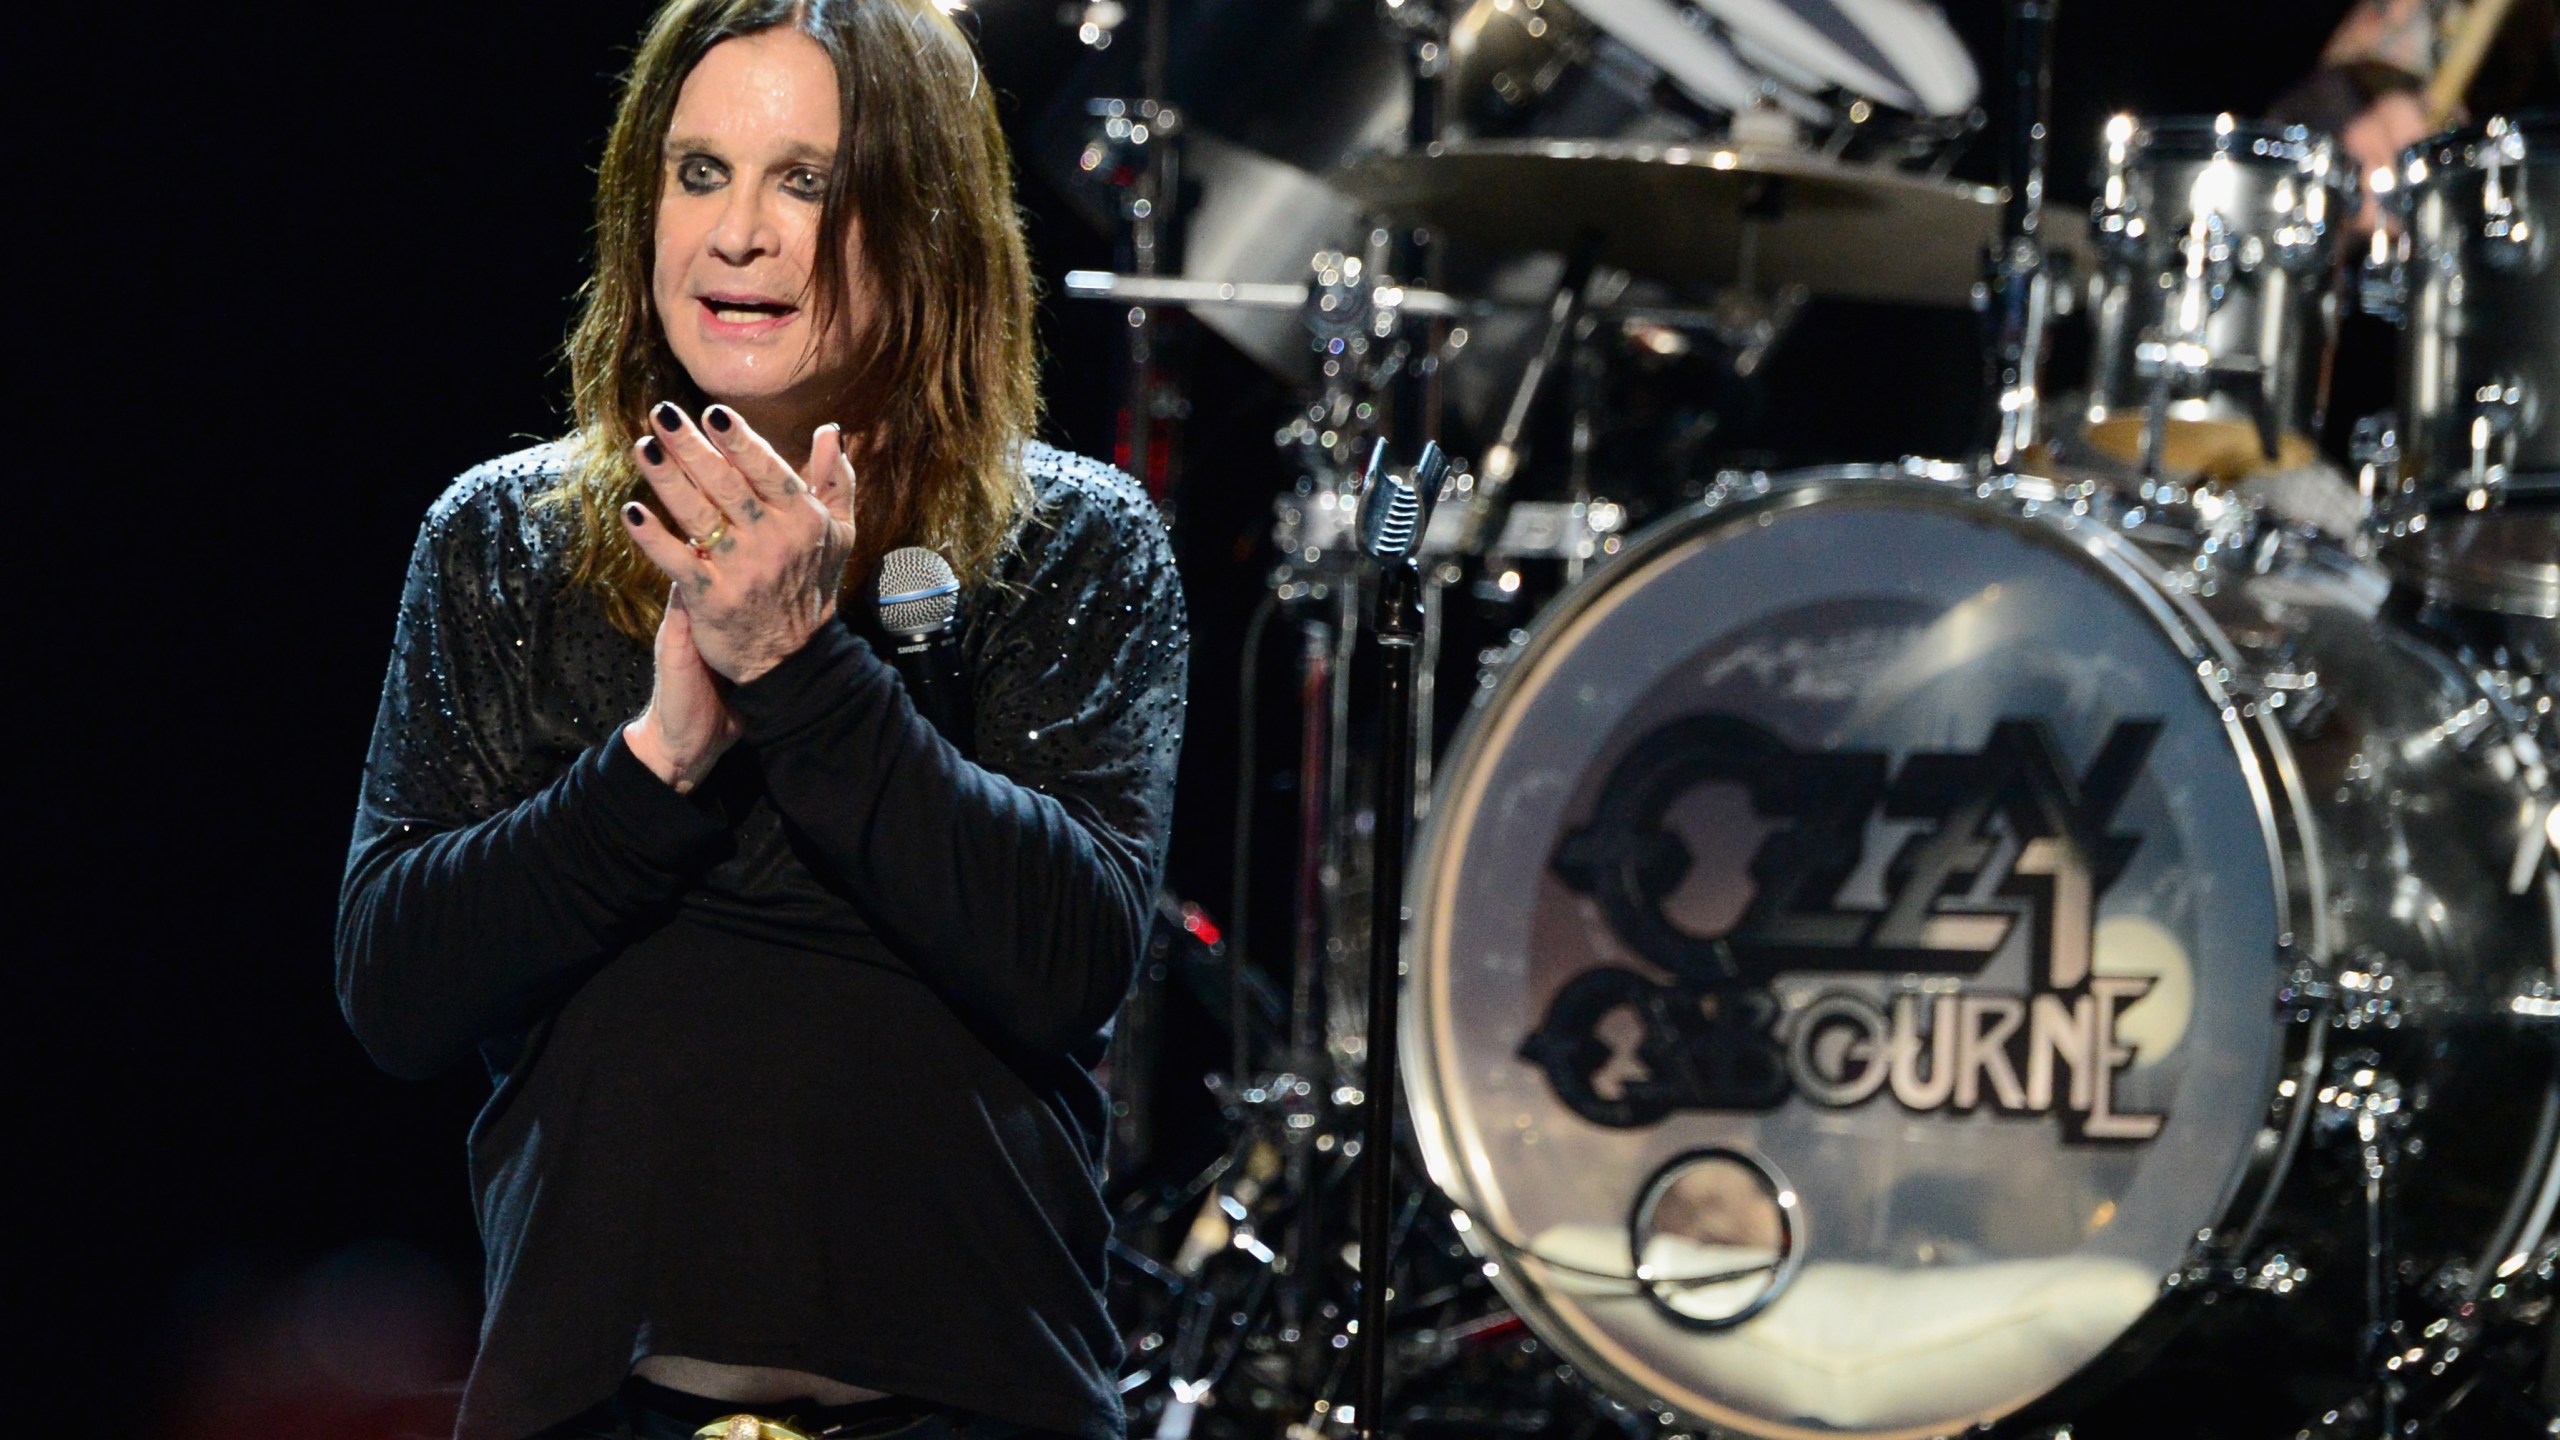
(1018, 887)
(497, 856)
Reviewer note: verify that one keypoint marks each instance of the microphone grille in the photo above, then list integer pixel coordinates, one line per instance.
(918, 591)
(1392, 523)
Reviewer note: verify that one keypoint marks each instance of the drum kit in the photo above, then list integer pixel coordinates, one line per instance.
(2063, 939)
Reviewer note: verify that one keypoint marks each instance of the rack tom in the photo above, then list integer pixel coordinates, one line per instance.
(2213, 308)
(2469, 508)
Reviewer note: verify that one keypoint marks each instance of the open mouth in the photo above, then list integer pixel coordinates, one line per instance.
(734, 311)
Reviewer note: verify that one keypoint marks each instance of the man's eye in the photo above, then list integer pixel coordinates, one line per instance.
(699, 175)
(806, 183)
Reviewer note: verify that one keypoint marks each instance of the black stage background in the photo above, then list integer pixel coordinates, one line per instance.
(284, 272)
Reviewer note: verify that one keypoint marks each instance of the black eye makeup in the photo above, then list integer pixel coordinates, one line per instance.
(699, 174)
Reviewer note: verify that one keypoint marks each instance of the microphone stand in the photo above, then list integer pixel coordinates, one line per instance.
(1393, 515)
(2018, 285)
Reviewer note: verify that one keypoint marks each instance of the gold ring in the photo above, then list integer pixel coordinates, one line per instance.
(702, 544)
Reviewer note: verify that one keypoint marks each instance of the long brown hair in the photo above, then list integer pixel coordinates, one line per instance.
(944, 389)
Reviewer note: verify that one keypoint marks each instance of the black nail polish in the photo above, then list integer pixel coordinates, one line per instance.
(632, 514)
(667, 416)
(718, 415)
(652, 451)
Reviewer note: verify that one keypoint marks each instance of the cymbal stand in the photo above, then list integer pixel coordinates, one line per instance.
(2361, 1114)
(1134, 147)
(1502, 458)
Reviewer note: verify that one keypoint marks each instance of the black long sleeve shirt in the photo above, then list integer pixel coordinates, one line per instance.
(795, 1070)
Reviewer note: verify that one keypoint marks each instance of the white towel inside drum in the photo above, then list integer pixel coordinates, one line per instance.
(1872, 1346)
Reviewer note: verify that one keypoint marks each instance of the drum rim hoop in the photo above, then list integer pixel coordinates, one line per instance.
(2450, 151)
(2201, 137)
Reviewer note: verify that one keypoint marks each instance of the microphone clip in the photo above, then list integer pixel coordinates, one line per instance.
(1395, 511)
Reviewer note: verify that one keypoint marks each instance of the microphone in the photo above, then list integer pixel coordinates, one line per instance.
(919, 607)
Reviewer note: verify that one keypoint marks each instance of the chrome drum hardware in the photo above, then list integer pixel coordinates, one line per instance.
(2212, 305)
(1882, 999)
(1897, 952)
(2467, 487)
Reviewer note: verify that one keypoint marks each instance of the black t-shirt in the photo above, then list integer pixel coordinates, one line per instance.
(794, 1071)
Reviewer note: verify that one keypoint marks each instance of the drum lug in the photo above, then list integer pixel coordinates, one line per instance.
(2361, 1102)
(2537, 1003)
(2305, 995)
(2520, 698)
(2507, 232)
(2370, 996)
(2169, 367)
(2374, 450)
(2276, 1273)
(2276, 682)
(2447, 1291)
(2500, 411)
(2382, 278)
(2208, 1274)
(2366, 994)
(2299, 245)
(2115, 217)
(2291, 692)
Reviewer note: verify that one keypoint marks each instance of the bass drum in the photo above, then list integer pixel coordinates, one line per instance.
(1888, 958)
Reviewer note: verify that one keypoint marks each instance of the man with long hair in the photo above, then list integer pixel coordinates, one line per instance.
(791, 1007)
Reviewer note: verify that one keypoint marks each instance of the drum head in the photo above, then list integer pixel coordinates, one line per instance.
(1843, 958)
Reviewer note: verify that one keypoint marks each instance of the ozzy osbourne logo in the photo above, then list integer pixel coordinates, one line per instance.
(1711, 1039)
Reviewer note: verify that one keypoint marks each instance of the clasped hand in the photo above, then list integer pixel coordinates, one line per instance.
(756, 559)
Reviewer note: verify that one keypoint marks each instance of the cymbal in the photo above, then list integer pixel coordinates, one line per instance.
(1766, 219)
(1209, 297)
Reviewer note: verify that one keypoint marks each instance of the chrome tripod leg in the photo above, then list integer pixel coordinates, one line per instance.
(2360, 1108)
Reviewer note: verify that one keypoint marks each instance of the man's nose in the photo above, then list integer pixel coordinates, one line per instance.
(744, 231)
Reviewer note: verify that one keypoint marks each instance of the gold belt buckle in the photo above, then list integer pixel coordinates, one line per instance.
(747, 1427)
